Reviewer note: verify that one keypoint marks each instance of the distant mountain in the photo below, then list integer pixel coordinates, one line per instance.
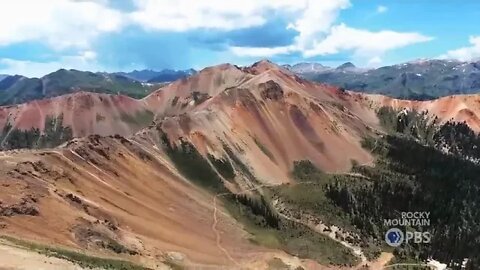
(168, 75)
(423, 79)
(19, 89)
(140, 75)
(152, 76)
(307, 68)
(137, 84)
(8, 81)
(346, 66)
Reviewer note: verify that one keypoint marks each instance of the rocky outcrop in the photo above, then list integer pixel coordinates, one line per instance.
(26, 207)
(271, 90)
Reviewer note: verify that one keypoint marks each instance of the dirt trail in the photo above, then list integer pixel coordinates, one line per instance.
(215, 220)
(217, 233)
(380, 263)
(355, 250)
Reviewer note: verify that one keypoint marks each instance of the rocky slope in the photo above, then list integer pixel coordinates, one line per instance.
(460, 108)
(115, 197)
(265, 108)
(85, 113)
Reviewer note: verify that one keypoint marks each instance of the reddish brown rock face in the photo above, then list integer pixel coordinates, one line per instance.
(271, 90)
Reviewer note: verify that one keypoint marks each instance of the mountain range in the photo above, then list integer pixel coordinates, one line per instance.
(232, 167)
(152, 76)
(417, 80)
(422, 79)
(18, 89)
(137, 84)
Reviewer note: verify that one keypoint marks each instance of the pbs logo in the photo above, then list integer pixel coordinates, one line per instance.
(395, 237)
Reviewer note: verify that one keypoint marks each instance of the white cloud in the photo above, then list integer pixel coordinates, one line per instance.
(316, 19)
(319, 35)
(68, 23)
(182, 15)
(65, 24)
(382, 9)
(465, 53)
(366, 45)
(84, 61)
(363, 42)
(59, 23)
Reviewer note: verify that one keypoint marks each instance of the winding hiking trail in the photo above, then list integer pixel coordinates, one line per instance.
(217, 233)
(319, 229)
(357, 251)
(215, 220)
(406, 264)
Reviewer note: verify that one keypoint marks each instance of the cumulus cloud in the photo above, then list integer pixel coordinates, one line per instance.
(316, 19)
(363, 42)
(465, 53)
(309, 27)
(68, 23)
(365, 45)
(59, 23)
(319, 35)
(382, 9)
(183, 15)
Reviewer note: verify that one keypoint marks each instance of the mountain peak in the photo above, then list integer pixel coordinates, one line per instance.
(346, 65)
(262, 66)
(265, 63)
(307, 67)
(310, 64)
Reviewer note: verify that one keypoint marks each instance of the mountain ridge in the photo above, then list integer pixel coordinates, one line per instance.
(419, 79)
(62, 81)
(117, 114)
(157, 76)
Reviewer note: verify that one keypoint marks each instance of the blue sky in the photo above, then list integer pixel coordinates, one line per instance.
(38, 37)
